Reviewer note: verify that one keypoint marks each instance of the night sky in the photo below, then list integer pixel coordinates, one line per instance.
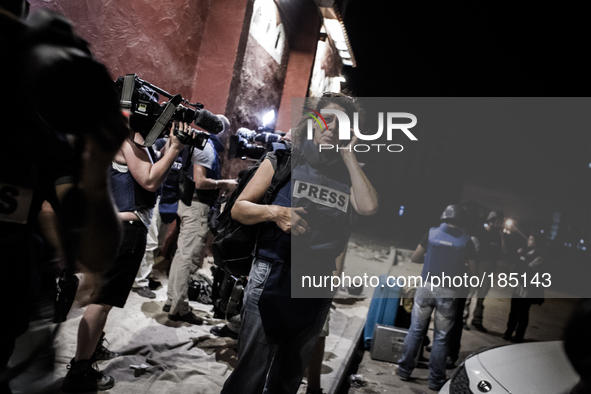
(486, 50)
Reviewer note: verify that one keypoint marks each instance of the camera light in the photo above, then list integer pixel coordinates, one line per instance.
(268, 118)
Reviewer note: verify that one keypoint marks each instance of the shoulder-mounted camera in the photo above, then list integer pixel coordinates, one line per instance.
(151, 118)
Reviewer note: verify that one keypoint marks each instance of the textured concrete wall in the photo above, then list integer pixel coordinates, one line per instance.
(331, 62)
(258, 91)
(297, 79)
(223, 45)
(303, 22)
(158, 40)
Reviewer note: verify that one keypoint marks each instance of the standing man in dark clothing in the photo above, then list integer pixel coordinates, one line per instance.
(530, 262)
(492, 248)
(448, 250)
(52, 156)
(473, 227)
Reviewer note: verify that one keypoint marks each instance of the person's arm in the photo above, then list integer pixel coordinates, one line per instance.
(418, 255)
(364, 197)
(151, 175)
(204, 183)
(472, 267)
(503, 245)
(536, 262)
(100, 233)
(247, 209)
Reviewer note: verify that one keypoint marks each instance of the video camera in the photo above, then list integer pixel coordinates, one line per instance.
(252, 144)
(150, 118)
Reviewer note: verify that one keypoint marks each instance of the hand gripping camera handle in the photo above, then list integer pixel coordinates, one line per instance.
(162, 120)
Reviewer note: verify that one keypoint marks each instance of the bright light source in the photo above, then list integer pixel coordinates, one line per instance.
(347, 62)
(509, 222)
(268, 118)
(401, 211)
(485, 225)
(541, 231)
(589, 165)
(345, 54)
(334, 29)
(582, 241)
(341, 45)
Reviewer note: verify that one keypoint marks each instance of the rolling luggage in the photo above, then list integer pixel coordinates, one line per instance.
(387, 343)
(382, 309)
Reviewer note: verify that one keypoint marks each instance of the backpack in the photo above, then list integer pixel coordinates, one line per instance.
(170, 192)
(186, 186)
(234, 244)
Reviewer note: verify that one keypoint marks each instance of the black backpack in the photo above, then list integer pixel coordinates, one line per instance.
(234, 244)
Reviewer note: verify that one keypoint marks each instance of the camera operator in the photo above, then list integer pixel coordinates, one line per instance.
(202, 173)
(134, 181)
(42, 163)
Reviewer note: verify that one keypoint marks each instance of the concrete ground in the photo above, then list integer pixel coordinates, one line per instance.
(181, 358)
(206, 362)
(546, 324)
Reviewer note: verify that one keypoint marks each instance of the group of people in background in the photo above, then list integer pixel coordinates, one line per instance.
(462, 244)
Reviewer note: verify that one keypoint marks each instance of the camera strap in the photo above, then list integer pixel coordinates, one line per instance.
(127, 91)
(162, 120)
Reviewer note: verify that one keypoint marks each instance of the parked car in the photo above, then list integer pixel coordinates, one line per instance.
(534, 367)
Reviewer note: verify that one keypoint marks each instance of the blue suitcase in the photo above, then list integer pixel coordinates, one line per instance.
(383, 308)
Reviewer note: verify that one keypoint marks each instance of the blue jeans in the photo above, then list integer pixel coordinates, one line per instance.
(264, 366)
(442, 300)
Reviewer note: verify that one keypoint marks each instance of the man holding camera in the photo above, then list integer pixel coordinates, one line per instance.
(200, 185)
(134, 181)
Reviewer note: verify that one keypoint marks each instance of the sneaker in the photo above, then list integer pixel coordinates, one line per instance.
(480, 327)
(223, 331)
(83, 377)
(166, 308)
(153, 284)
(435, 387)
(449, 363)
(190, 318)
(404, 378)
(145, 292)
(101, 352)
